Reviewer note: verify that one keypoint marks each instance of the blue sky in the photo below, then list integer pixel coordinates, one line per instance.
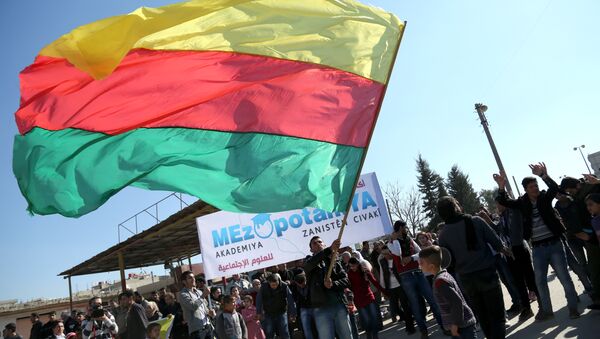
(534, 63)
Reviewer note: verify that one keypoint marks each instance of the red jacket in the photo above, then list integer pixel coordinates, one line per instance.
(361, 289)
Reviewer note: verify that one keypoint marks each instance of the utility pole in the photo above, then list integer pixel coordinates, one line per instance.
(583, 157)
(481, 109)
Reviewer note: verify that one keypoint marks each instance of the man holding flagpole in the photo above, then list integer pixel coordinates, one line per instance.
(327, 294)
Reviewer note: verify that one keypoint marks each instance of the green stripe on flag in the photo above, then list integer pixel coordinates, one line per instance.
(73, 172)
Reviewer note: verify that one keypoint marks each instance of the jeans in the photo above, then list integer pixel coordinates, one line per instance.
(353, 325)
(206, 333)
(370, 318)
(467, 333)
(578, 247)
(577, 267)
(416, 286)
(397, 295)
(593, 254)
(333, 319)
(307, 318)
(521, 269)
(552, 253)
(273, 324)
(508, 280)
(484, 295)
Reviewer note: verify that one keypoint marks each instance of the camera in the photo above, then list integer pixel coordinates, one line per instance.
(98, 313)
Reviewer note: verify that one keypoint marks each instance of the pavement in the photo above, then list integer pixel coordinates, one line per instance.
(585, 327)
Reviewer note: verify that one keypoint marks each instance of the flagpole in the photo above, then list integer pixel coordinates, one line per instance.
(364, 155)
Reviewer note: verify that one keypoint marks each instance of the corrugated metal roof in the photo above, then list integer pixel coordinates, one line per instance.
(175, 238)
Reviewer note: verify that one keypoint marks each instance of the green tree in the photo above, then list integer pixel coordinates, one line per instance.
(487, 199)
(459, 186)
(431, 186)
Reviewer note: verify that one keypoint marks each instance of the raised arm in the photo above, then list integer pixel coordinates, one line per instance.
(503, 198)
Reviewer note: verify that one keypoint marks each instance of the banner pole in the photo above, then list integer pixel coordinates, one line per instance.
(364, 155)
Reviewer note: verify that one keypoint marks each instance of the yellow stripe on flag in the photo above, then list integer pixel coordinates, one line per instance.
(166, 324)
(342, 34)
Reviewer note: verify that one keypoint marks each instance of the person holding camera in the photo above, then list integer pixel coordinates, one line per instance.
(101, 324)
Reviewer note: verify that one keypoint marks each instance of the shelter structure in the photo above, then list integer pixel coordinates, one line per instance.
(171, 240)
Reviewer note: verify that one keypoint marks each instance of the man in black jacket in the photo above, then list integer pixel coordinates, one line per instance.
(327, 295)
(273, 304)
(137, 321)
(544, 228)
(36, 327)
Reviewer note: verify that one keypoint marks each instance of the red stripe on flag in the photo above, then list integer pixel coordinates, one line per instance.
(204, 90)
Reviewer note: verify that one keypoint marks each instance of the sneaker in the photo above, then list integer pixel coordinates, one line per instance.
(532, 296)
(514, 309)
(526, 313)
(410, 330)
(543, 316)
(574, 314)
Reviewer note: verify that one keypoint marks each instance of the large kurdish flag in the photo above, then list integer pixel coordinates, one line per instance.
(254, 106)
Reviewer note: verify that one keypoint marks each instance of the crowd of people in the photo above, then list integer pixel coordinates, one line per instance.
(454, 272)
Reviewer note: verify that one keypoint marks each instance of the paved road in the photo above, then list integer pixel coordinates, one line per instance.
(586, 327)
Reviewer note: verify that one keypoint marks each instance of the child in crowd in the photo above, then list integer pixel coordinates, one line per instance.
(456, 314)
(153, 331)
(249, 315)
(229, 323)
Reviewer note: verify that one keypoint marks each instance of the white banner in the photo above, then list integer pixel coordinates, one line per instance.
(239, 242)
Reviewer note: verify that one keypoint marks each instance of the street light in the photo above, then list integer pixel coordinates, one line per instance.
(481, 109)
(583, 157)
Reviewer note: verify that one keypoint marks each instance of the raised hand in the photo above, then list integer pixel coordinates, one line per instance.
(543, 167)
(590, 179)
(539, 169)
(500, 179)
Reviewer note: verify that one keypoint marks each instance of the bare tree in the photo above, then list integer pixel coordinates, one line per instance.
(406, 206)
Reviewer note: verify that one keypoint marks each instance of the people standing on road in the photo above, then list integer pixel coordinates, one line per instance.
(36, 327)
(327, 296)
(58, 329)
(136, 320)
(274, 304)
(467, 239)
(406, 258)
(251, 320)
(229, 323)
(195, 309)
(544, 228)
(10, 331)
(100, 323)
(364, 299)
(399, 304)
(456, 314)
(579, 190)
